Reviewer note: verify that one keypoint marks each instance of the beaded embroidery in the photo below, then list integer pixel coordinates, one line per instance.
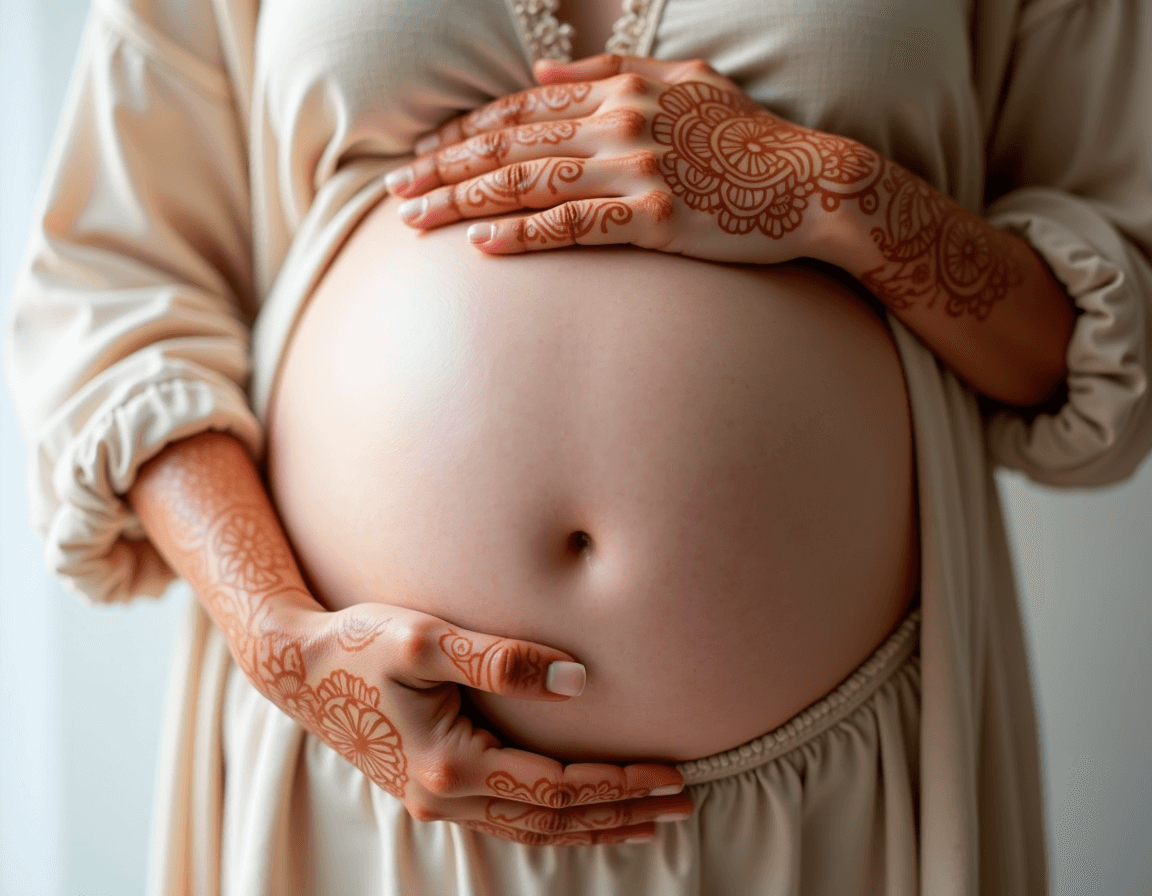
(548, 38)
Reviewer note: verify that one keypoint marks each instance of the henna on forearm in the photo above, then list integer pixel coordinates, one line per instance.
(204, 507)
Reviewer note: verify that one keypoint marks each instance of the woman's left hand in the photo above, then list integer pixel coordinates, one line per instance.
(622, 149)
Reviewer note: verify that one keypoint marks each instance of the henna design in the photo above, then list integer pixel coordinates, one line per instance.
(247, 556)
(357, 633)
(548, 793)
(535, 838)
(751, 169)
(202, 523)
(496, 664)
(566, 223)
(493, 147)
(934, 247)
(503, 189)
(348, 713)
(549, 821)
(513, 109)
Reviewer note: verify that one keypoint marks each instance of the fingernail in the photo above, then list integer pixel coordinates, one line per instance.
(674, 816)
(643, 838)
(666, 790)
(563, 678)
(481, 233)
(427, 144)
(398, 179)
(413, 208)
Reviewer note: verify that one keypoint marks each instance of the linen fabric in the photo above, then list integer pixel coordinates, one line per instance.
(828, 801)
(214, 154)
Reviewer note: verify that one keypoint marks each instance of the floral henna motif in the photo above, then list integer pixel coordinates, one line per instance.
(535, 838)
(496, 665)
(247, 555)
(548, 793)
(730, 158)
(349, 716)
(934, 247)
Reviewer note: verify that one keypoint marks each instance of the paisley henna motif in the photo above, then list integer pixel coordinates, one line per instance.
(935, 248)
(549, 793)
(752, 170)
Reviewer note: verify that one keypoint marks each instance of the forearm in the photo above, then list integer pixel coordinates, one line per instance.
(205, 508)
(979, 297)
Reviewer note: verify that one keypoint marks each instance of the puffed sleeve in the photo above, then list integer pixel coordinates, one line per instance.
(1072, 149)
(130, 319)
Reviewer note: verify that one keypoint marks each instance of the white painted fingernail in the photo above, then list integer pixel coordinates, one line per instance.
(481, 233)
(413, 208)
(566, 678)
(427, 144)
(398, 179)
(667, 790)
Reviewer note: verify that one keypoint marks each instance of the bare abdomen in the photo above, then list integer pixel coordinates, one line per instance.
(696, 478)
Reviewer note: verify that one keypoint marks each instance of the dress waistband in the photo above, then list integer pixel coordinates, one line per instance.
(817, 718)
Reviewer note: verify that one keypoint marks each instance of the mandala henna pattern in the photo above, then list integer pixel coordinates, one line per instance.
(730, 158)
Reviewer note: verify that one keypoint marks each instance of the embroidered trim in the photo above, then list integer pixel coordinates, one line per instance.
(548, 37)
(629, 28)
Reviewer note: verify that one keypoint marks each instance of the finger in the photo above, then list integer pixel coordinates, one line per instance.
(641, 220)
(529, 778)
(546, 103)
(512, 817)
(432, 652)
(636, 834)
(490, 151)
(594, 817)
(539, 183)
(605, 65)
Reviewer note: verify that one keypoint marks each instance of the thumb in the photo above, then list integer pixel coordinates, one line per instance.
(506, 666)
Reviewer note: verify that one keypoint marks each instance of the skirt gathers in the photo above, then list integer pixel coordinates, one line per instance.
(825, 805)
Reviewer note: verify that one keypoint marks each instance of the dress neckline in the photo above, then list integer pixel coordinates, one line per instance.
(546, 37)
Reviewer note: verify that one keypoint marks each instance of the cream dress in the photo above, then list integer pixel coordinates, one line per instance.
(211, 158)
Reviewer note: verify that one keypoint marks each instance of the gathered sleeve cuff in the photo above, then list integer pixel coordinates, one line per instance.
(130, 320)
(1072, 152)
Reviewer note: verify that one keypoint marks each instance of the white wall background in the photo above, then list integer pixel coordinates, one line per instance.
(81, 688)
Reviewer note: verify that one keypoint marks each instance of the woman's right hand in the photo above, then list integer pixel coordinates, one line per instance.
(380, 684)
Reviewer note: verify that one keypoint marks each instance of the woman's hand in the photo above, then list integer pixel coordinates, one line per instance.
(380, 684)
(673, 156)
(620, 149)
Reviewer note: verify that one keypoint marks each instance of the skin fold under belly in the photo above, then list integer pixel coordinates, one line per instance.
(696, 478)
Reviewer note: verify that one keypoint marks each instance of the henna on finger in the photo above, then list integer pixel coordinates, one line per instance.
(500, 666)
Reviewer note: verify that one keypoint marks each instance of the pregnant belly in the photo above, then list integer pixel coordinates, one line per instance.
(696, 478)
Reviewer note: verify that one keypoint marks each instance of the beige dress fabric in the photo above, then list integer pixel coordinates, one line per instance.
(214, 153)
